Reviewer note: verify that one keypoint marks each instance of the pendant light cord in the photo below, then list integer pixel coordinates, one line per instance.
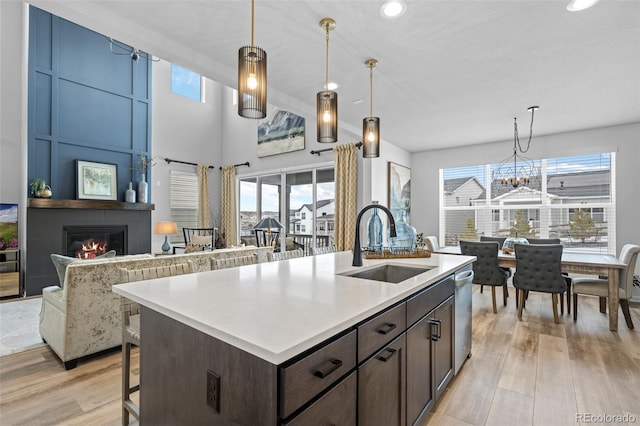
(326, 86)
(252, 6)
(516, 139)
(370, 91)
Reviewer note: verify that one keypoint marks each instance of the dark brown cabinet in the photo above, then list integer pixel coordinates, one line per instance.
(381, 386)
(429, 348)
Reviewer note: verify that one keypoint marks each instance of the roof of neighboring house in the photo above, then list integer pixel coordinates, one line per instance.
(319, 203)
(584, 184)
(451, 185)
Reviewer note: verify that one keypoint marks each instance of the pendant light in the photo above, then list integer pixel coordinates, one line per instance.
(371, 124)
(252, 79)
(327, 100)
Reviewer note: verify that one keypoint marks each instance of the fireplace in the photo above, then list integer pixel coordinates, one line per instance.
(87, 242)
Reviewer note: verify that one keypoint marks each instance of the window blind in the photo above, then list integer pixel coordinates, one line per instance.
(573, 199)
(183, 202)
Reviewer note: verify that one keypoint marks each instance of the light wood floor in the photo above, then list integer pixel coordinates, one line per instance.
(529, 372)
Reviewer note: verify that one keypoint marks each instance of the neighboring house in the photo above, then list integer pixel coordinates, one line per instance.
(461, 191)
(302, 223)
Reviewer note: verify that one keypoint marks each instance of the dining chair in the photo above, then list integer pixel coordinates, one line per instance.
(323, 250)
(131, 329)
(432, 242)
(264, 238)
(600, 287)
(201, 238)
(500, 241)
(285, 255)
(538, 268)
(485, 269)
(232, 262)
(566, 276)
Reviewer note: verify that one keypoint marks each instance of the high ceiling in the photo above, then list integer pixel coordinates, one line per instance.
(450, 72)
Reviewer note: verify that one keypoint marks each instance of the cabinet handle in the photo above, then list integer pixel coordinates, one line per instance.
(392, 352)
(387, 328)
(435, 336)
(334, 364)
(439, 329)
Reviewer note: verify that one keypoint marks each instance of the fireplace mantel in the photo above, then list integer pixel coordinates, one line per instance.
(50, 203)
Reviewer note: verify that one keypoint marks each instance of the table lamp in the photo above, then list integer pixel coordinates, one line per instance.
(166, 228)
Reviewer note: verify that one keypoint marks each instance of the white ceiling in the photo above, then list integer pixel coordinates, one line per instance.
(450, 72)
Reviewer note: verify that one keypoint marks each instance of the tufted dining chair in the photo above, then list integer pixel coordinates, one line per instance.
(500, 241)
(567, 279)
(600, 287)
(232, 262)
(324, 250)
(538, 268)
(485, 269)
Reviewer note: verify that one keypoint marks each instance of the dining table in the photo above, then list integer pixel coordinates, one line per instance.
(577, 263)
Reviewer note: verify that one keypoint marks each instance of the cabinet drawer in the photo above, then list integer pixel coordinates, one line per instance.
(425, 301)
(304, 379)
(380, 330)
(337, 407)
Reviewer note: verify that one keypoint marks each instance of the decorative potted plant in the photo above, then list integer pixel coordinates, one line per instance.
(40, 189)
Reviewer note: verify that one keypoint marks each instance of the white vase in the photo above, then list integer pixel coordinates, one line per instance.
(130, 194)
(143, 191)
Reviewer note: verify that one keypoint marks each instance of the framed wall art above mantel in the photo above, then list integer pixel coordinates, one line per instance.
(96, 181)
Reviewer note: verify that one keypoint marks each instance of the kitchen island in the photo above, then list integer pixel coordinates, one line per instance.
(226, 347)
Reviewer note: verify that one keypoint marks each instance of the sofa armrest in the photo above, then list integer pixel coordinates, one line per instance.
(54, 295)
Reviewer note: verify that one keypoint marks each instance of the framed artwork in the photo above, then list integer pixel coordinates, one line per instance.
(399, 191)
(96, 181)
(8, 226)
(281, 131)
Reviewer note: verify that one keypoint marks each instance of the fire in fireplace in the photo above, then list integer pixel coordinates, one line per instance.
(87, 242)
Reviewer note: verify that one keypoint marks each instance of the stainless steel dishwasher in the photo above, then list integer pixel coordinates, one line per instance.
(463, 283)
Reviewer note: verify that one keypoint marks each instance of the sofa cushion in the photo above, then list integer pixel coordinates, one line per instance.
(61, 262)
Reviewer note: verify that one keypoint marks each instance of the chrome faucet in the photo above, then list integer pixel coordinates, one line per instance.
(357, 250)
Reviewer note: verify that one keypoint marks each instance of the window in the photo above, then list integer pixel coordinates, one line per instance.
(186, 83)
(307, 195)
(573, 199)
(183, 202)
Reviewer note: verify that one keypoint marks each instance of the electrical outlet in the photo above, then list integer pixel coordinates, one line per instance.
(213, 390)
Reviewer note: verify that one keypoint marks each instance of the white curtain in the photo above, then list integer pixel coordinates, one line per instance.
(346, 195)
(228, 221)
(204, 205)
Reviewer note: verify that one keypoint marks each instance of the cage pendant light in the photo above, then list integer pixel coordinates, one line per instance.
(371, 124)
(252, 79)
(327, 100)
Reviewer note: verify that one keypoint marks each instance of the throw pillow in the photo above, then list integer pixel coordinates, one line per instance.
(201, 240)
(61, 262)
(192, 248)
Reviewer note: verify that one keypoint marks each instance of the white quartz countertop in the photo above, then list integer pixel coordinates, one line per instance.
(277, 310)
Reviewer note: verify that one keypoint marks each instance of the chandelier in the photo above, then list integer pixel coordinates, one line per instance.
(517, 170)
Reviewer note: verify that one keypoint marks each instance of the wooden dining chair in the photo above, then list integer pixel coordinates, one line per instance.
(600, 287)
(538, 268)
(485, 269)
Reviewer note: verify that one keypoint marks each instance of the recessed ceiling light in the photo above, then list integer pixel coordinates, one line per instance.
(357, 101)
(393, 9)
(331, 86)
(577, 5)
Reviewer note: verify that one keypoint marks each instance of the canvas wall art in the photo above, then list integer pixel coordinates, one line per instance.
(281, 131)
(399, 190)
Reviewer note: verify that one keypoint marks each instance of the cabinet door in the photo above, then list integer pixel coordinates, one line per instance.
(419, 383)
(381, 386)
(443, 346)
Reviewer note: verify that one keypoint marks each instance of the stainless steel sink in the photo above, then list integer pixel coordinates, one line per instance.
(388, 273)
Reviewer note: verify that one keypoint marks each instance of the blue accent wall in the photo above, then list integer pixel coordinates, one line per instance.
(85, 103)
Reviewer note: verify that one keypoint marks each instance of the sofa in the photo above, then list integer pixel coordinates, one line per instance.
(83, 316)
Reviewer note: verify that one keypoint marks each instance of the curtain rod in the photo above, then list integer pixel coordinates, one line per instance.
(169, 161)
(319, 151)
